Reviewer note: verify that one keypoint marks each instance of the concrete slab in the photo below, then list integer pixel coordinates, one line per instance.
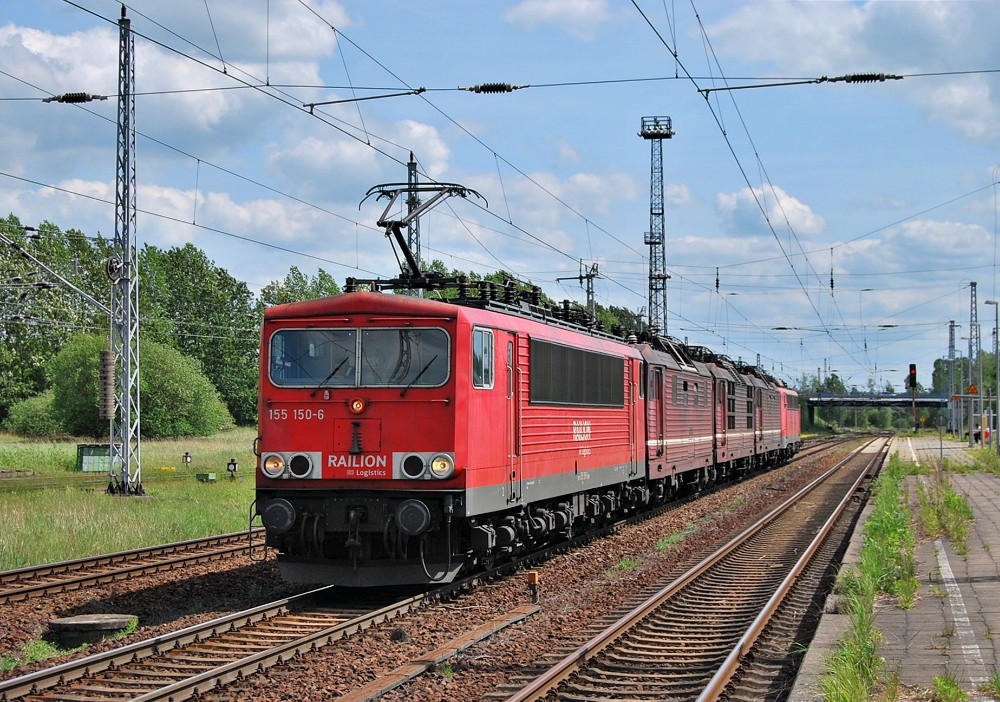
(89, 628)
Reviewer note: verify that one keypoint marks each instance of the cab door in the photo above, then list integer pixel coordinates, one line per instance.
(512, 431)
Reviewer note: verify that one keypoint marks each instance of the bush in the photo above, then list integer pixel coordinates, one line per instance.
(74, 376)
(33, 417)
(175, 397)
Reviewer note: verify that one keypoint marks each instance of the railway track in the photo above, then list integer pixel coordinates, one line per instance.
(199, 658)
(35, 581)
(206, 657)
(693, 638)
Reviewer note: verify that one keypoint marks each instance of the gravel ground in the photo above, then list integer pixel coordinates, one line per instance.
(577, 589)
(164, 602)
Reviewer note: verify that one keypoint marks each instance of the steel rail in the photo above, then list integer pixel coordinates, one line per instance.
(717, 685)
(562, 670)
(142, 651)
(69, 575)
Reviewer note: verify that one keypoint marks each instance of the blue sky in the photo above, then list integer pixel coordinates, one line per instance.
(891, 186)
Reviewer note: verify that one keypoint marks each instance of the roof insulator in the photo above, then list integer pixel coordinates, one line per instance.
(862, 78)
(74, 97)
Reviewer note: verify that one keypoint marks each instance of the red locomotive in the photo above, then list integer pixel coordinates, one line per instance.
(403, 440)
(408, 440)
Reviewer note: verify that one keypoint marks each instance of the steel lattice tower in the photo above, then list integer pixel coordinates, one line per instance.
(656, 129)
(123, 270)
(413, 228)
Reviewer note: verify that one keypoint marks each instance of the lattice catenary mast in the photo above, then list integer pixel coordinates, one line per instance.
(413, 228)
(123, 269)
(952, 410)
(975, 361)
(656, 129)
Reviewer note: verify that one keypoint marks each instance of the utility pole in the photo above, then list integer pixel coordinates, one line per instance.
(951, 376)
(123, 269)
(589, 277)
(655, 130)
(122, 362)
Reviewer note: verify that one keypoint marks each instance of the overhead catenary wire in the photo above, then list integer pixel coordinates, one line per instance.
(586, 221)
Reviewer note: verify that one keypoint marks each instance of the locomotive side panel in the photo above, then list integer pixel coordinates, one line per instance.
(568, 414)
(791, 421)
(579, 416)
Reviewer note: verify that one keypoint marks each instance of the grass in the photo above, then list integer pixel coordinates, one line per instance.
(34, 651)
(946, 689)
(42, 649)
(676, 537)
(852, 671)
(887, 566)
(44, 526)
(626, 564)
(992, 685)
(943, 511)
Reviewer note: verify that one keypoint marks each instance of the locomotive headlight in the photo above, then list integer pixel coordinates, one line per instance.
(442, 465)
(413, 466)
(300, 465)
(357, 405)
(273, 465)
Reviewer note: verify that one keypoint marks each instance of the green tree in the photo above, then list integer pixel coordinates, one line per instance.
(37, 312)
(176, 399)
(200, 309)
(297, 286)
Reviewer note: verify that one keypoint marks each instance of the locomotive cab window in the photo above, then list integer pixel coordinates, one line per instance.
(371, 357)
(310, 357)
(482, 358)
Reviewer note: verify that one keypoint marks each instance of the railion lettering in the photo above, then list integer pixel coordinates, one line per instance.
(343, 460)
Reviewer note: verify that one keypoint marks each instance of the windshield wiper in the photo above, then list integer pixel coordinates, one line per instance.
(417, 376)
(332, 373)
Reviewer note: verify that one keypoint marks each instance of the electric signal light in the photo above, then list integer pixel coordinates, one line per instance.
(913, 375)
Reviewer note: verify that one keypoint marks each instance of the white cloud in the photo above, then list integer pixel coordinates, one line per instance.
(289, 31)
(743, 212)
(431, 150)
(678, 194)
(902, 38)
(579, 18)
(934, 244)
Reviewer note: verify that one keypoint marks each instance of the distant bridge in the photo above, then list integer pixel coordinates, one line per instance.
(860, 399)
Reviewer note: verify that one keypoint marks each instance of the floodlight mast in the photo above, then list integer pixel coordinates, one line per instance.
(655, 130)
